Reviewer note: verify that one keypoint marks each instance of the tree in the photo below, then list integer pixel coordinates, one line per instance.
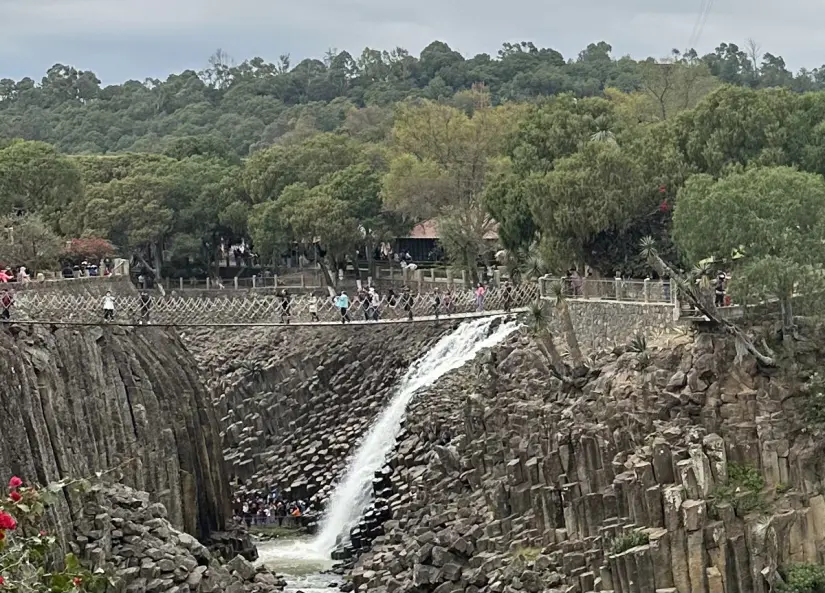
(441, 171)
(774, 216)
(27, 241)
(36, 179)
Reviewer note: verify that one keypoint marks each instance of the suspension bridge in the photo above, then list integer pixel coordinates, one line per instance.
(54, 307)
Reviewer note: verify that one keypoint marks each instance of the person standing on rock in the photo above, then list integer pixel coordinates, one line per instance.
(342, 302)
(313, 307)
(108, 306)
(6, 301)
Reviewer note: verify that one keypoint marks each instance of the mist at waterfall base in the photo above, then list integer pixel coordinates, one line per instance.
(305, 558)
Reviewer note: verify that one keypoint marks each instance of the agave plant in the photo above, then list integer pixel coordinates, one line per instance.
(538, 325)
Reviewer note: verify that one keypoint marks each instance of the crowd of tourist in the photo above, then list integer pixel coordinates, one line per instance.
(372, 305)
(262, 508)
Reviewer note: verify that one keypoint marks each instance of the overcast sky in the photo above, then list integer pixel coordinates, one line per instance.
(125, 39)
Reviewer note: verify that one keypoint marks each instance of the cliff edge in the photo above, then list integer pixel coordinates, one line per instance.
(75, 401)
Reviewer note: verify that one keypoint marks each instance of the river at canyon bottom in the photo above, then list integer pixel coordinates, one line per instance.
(300, 566)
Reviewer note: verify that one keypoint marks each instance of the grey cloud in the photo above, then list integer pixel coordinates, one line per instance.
(139, 38)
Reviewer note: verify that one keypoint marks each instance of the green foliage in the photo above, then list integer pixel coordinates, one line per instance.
(774, 216)
(814, 403)
(629, 540)
(29, 555)
(802, 578)
(742, 490)
(638, 343)
(582, 158)
(28, 241)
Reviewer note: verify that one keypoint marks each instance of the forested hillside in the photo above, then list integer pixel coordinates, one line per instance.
(254, 104)
(576, 161)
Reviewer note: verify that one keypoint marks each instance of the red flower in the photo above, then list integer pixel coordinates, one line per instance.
(77, 581)
(2, 581)
(15, 496)
(664, 206)
(7, 521)
(15, 482)
(662, 189)
(42, 533)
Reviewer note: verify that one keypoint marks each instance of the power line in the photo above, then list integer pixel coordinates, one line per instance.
(702, 18)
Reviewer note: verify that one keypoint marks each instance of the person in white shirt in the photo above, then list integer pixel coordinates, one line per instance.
(108, 306)
(313, 307)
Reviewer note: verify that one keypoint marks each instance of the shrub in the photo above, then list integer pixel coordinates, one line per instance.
(629, 540)
(742, 490)
(28, 553)
(803, 578)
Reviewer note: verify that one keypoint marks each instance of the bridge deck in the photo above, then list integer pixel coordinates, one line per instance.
(358, 322)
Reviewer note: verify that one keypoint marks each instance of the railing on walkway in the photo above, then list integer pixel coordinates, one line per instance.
(223, 309)
(617, 289)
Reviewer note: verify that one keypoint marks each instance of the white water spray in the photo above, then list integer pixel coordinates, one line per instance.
(353, 494)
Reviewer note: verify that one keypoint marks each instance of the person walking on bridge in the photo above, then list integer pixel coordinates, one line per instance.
(508, 296)
(407, 300)
(342, 302)
(313, 307)
(286, 305)
(145, 302)
(108, 306)
(6, 301)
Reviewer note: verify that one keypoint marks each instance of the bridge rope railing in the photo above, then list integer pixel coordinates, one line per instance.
(251, 309)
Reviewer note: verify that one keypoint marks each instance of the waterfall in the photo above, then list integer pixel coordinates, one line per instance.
(353, 494)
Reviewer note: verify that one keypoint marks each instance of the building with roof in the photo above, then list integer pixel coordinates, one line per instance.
(422, 240)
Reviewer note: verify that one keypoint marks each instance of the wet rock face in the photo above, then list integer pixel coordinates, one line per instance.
(293, 403)
(633, 484)
(73, 401)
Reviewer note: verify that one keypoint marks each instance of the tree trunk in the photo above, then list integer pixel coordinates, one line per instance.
(544, 340)
(570, 334)
(157, 253)
(328, 279)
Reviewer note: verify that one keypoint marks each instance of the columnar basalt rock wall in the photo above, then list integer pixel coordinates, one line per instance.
(294, 402)
(604, 324)
(76, 401)
(534, 484)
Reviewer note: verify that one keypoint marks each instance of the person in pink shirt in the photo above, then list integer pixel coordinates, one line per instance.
(480, 292)
(4, 276)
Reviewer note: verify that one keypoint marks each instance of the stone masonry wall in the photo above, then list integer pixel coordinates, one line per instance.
(603, 324)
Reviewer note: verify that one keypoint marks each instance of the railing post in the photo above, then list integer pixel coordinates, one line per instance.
(432, 275)
(180, 281)
(207, 283)
(303, 281)
(275, 280)
(254, 281)
(618, 281)
(235, 282)
(463, 277)
(647, 290)
(497, 277)
(450, 278)
(420, 278)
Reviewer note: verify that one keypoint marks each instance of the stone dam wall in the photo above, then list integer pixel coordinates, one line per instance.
(603, 324)
(74, 401)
